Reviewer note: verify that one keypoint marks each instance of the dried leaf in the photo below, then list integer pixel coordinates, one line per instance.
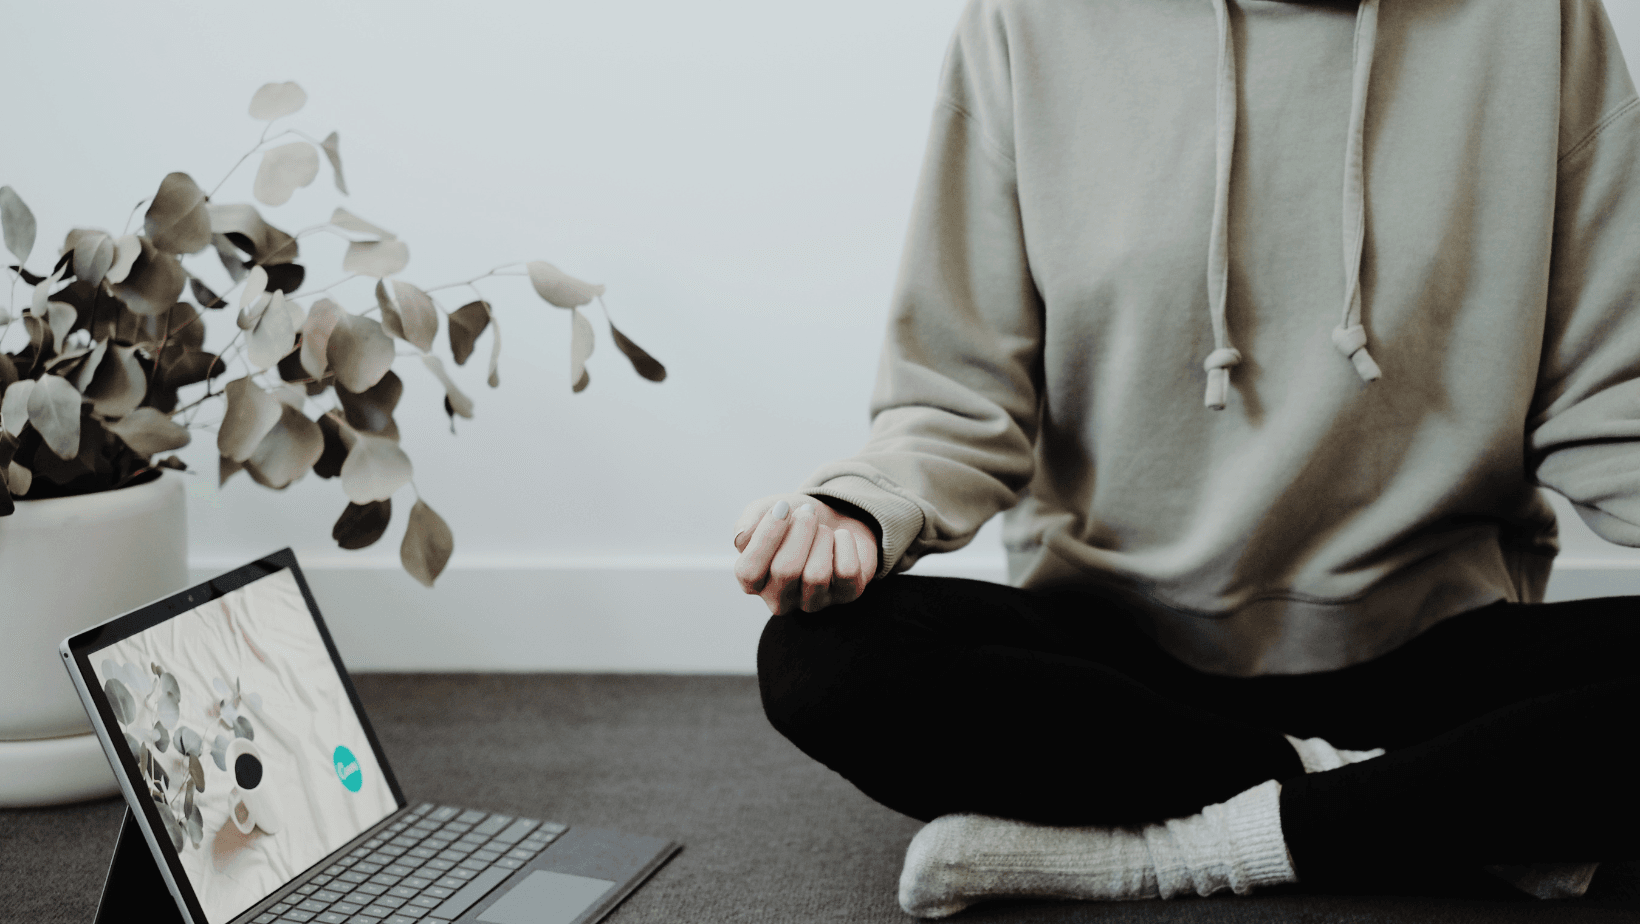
(427, 544)
(376, 258)
(242, 226)
(16, 223)
(291, 396)
(333, 150)
(466, 324)
(284, 170)
(375, 468)
(60, 318)
(457, 402)
(88, 369)
(348, 221)
(41, 295)
(287, 452)
(273, 336)
(255, 286)
(14, 406)
(190, 368)
(372, 410)
(321, 320)
(93, 254)
(54, 410)
(495, 354)
(285, 277)
(227, 468)
(580, 347)
(250, 414)
(360, 352)
(417, 314)
(360, 525)
(277, 100)
(126, 250)
(559, 288)
(177, 220)
(391, 322)
(204, 295)
(37, 332)
(155, 282)
(148, 431)
(18, 479)
(229, 254)
(336, 447)
(119, 383)
(252, 313)
(196, 773)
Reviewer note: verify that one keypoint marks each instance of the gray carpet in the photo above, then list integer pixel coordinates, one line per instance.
(768, 834)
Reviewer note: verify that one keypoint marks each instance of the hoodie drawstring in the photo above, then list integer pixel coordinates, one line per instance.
(1349, 337)
(1224, 356)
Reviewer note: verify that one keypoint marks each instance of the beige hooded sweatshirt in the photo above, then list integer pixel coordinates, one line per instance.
(1270, 317)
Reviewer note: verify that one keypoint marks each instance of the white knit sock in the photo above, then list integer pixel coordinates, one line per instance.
(1543, 880)
(957, 860)
(1318, 755)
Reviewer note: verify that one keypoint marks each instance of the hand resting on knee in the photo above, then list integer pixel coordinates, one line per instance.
(798, 553)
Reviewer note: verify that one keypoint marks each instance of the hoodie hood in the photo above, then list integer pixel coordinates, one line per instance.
(1349, 337)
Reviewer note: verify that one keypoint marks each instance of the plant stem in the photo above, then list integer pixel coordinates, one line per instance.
(469, 282)
(259, 142)
(333, 285)
(133, 214)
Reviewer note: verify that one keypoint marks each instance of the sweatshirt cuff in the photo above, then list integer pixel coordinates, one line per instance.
(899, 518)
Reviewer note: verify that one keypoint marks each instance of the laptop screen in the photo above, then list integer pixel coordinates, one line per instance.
(247, 740)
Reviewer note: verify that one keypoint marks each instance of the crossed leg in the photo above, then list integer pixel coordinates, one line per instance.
(937, 696)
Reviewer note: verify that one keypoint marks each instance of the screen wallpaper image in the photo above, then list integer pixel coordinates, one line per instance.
(246, 739)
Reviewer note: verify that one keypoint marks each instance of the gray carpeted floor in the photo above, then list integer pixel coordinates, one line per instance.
(768, 834)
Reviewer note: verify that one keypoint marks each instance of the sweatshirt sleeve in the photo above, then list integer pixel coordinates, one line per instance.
(954, 410)
(1585, 430)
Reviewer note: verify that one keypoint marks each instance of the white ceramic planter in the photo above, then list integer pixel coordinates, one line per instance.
(65, 564)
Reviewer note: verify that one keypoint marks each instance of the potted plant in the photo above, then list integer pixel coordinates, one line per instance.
(104, 373)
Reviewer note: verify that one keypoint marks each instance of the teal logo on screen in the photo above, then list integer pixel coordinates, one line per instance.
(347, 769)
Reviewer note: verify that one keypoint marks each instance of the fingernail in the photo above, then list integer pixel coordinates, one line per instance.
(739, 536)
(806, 510)
(781, 509)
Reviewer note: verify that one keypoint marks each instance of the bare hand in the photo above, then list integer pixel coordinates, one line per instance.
(807, 557)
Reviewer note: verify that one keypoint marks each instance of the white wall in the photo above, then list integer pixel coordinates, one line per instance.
(737, 172)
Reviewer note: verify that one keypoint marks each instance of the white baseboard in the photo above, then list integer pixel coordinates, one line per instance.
(680, 615)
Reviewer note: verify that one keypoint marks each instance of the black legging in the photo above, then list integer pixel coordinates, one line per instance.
(1504, 726)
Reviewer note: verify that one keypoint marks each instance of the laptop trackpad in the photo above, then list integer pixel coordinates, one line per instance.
(546, 897)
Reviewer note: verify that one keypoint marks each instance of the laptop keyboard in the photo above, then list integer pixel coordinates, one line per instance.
(426, 868)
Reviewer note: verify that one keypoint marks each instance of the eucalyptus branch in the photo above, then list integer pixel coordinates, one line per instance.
(355, 350)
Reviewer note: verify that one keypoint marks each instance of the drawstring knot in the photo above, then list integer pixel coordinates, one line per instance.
(1352, 342)
(1218, 365)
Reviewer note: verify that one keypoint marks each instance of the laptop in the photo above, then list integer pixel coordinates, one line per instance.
(257, 791)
